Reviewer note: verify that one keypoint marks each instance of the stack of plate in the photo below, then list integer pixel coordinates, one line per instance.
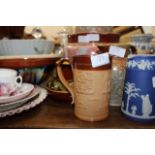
(27, 97)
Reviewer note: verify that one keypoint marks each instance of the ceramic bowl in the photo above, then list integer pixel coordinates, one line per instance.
(142, 38)
(60, 96)
(33, 69)
(25, 47)
(54, 86)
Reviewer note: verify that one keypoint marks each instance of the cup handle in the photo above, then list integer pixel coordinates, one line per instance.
(19, 81)
(62, 78)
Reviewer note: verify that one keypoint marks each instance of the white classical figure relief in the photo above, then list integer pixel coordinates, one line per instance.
(145, 65)
(131, 91)
(134, 109)
(131, 108)
(146, 105)
(123, 106)
(142, 64)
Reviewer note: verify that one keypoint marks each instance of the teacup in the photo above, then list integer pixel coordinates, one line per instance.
(9, 81)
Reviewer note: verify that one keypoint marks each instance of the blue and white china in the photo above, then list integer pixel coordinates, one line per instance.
(142, 41)
(138, 102)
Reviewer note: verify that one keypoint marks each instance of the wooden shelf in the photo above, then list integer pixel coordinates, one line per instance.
(51, 114)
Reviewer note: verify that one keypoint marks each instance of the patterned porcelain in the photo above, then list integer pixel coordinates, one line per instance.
(25, 90)
(9, 82)
(20, 102)
(31, 104)
(34, 75)
(138, 101)
(142, 41)
(33, 68)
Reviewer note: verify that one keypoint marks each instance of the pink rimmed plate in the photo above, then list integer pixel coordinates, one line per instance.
(12, 105)
(24, 91)
(31, 104)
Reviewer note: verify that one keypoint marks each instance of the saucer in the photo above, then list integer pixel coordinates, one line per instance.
(25, 90)
(12, 105)
(31, 104)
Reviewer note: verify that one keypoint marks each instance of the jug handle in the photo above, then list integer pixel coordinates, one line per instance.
(62, 78)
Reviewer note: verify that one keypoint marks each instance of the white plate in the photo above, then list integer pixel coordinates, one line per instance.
(42, 95)
(12, 105)
(19, 94)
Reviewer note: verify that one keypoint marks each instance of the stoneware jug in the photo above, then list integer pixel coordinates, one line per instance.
(91, 88)
(138, 101)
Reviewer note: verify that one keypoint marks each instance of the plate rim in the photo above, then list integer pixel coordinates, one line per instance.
(3, 98)
(42, 96)
(36, 91)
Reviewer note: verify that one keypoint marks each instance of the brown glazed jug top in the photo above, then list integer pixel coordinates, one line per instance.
(84, 62)
(104, 38)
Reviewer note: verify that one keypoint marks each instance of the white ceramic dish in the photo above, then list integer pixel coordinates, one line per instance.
(18, 103)
(25, 46)
(42, 95)
(25, 90)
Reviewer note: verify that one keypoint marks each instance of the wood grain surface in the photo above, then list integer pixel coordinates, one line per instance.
(54, 115)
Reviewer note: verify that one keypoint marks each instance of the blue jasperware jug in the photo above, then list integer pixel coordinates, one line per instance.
(138, 102)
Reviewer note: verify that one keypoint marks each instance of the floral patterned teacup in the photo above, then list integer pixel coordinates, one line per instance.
(9, 82)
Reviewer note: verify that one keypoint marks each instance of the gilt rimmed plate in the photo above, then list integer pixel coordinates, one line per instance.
(24, 91)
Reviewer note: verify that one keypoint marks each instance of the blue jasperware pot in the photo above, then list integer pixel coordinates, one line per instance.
(138, 102)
